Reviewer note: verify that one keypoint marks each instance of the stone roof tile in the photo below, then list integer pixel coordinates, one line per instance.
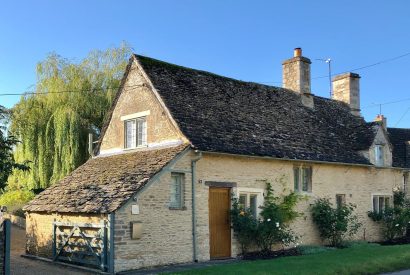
(103, 184)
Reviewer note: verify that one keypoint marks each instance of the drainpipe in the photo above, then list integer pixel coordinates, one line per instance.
(111, 220)
(193, 180)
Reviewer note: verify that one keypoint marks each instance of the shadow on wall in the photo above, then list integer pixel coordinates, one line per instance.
(38, 243)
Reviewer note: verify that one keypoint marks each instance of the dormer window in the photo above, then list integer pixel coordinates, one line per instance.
(135, 132)
(379, 155)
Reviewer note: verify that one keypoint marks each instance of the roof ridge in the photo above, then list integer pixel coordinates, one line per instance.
(173, 65)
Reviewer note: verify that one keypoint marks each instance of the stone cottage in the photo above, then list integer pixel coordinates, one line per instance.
(180, 142)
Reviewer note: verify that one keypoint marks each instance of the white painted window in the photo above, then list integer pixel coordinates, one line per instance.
(378, 155)
(302, 178)
(250, 199)
(405, 182)
(177, 191)
(381, 202)
(135, 132)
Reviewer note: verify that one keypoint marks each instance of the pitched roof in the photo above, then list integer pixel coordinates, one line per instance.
(398, 137)
(226, 115)
(103, 184)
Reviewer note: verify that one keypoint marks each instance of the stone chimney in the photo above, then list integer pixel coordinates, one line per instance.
(346, 88)
(296, 73)
(382, 120)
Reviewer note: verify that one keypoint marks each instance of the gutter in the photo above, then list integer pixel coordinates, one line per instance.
(306, 161)
(193, 182)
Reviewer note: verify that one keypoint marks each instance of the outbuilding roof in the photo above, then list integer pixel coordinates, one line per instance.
(103, 184)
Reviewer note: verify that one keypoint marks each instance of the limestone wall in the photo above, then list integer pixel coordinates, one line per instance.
(137, 97)
(39, 230)
(167, 234)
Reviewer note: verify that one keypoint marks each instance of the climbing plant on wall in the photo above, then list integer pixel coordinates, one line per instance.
(71, 99)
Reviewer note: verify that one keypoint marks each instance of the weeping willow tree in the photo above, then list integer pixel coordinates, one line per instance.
(70, 101)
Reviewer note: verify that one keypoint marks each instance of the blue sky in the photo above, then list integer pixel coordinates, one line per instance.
(246, 40)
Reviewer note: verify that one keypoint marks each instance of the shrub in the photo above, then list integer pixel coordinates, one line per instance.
(395, 219)
(276, 214)
(272, 227)
(243, 224)
(334, 224)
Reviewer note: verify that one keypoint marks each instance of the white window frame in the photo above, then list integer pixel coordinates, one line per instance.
(379, 155)
(179, 204)
(248, 192)
(376, 206)
(139, 141)
(406, 182)
(299, 176)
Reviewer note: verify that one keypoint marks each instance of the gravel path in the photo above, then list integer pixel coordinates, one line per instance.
(24, 266)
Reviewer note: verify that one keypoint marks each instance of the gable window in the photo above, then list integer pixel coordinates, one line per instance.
(135, 132)
(177, 191)
(302, 178)
(378, 155)
(340, 200)
(381, 202)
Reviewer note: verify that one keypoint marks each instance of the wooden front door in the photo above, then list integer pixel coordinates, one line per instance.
(219, 222)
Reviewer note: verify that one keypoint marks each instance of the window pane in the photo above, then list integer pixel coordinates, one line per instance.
(130, 133)
(253, 204)
(142, 132)
(375, 204)
(296, 178)
(176, 193)
(381, 204)
(340, 200)
(242, 201)
(387, 202)
(306, 179)
(379, 155)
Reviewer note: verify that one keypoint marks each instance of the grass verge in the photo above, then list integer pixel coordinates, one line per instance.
(363, 259)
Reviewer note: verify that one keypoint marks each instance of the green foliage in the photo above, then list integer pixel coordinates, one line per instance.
(334, 224)
(7, 143)
(244, 225)
(53, 124)
(272, 227)
(396, 219)
(15, 200)
(277, 213)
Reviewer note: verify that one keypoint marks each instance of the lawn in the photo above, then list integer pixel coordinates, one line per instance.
(363, 259)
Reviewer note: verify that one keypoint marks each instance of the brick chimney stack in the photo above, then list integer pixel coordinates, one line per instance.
(346, 88)
(296, 73)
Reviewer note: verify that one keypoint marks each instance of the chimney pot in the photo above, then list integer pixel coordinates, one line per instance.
(297, 52)
(382, 120)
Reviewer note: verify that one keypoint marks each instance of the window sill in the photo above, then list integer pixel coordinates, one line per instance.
(177, 208)
(133, 148)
